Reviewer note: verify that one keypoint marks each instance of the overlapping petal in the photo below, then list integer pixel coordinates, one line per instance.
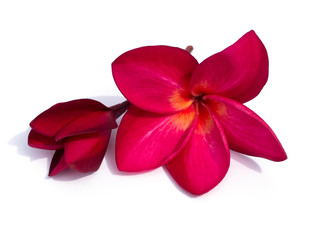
(246, 131)
(148, 140)
(238, 72)
(58, 163)
(38, 140)
(98, 121)
(51, 121)
(205, 160)
(155, 78)
(85, 152)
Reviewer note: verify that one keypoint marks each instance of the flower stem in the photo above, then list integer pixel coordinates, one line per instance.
(120, 108)
(189, 49)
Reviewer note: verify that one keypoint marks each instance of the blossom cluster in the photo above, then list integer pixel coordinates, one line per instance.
(180, 114)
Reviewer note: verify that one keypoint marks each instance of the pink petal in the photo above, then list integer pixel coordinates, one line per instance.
(246, 131)
(55, 118)
(155, 78)
(91, 122)
(204, 161)
(239, 72)
(148, 140)
(38, 140)
(58, 163)
(85, 153)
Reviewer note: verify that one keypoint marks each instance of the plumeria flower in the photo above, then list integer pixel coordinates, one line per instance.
(78, 130)
(186, 116)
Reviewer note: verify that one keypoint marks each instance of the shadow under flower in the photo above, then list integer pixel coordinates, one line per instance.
(109, 100)
(68, 175)
(246, 161)
(20, 141)
(177, 186)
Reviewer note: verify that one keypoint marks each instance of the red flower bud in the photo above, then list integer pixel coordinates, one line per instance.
(78, 130)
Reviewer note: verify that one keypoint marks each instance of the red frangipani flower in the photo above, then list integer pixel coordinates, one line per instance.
(187, 116)
(78, 130)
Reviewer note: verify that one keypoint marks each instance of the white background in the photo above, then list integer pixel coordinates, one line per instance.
(55, 51)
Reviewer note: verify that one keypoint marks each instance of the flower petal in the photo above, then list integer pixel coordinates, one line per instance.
(155, 78)
(246, 131)
(84, 153)
(205, 160)
(147, 140)
(91, 122)
(238, 72)
(38, 140)
(55, 118)
(58, 163)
